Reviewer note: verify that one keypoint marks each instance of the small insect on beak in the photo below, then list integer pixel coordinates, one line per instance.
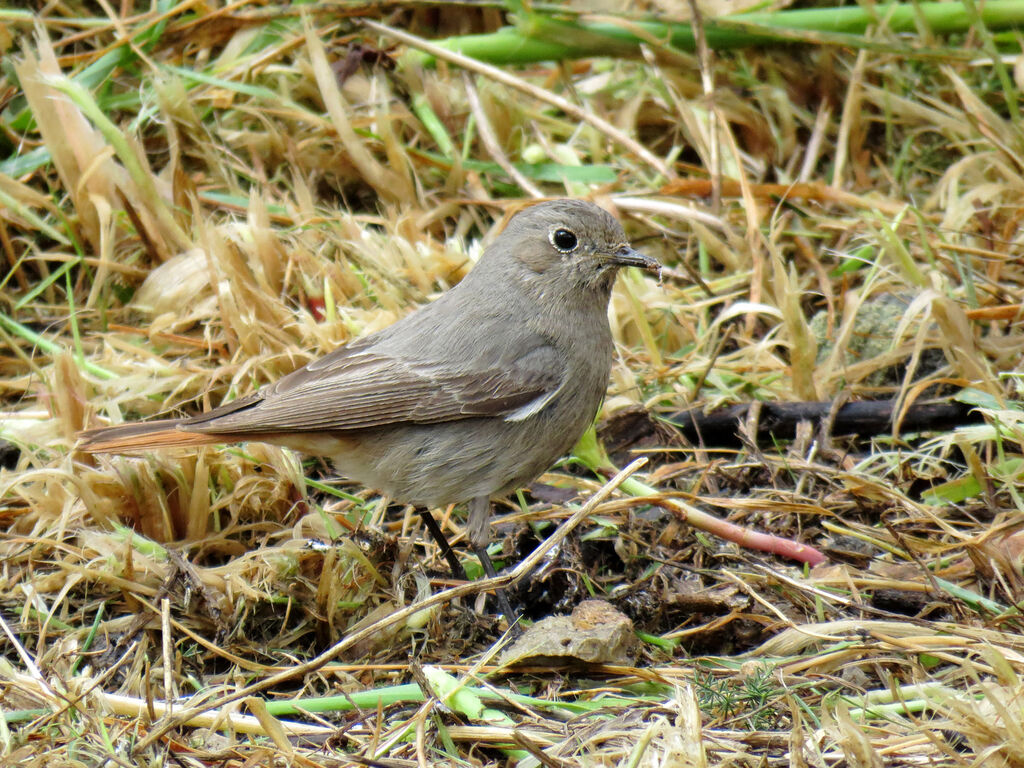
(627, 257)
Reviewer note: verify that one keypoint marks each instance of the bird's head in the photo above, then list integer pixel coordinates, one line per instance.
(565, 246)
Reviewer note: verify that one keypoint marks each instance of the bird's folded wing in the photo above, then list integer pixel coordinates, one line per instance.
(356, 388)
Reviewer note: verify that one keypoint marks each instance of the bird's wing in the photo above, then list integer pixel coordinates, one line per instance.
(362, 386)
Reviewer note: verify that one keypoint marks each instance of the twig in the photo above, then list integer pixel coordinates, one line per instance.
(778, 421)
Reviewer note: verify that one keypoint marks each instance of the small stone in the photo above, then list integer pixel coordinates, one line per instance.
(595, 633)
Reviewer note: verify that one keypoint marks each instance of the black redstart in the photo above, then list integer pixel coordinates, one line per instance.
(469, 397)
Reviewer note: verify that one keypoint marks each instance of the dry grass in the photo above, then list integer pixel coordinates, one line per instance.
(195, 201)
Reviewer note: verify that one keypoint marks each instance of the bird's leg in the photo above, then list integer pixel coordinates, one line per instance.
(479, 515)
(446, 549)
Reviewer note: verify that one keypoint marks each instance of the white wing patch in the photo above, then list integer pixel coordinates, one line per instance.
(532, 408)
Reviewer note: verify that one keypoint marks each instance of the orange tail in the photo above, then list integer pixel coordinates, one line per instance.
(137, 437)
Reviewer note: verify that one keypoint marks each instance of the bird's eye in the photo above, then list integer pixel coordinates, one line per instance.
(563, 240)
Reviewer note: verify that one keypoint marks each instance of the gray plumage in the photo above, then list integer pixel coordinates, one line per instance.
(471, 396)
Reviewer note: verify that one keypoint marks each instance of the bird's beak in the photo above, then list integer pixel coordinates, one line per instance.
(627, 257)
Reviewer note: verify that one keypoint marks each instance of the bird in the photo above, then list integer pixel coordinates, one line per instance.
(468, 398)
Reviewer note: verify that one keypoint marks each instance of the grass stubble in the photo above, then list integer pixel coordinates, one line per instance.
(196, 201)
